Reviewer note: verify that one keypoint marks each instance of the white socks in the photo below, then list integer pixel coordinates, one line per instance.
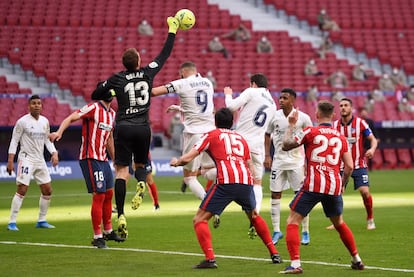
(305, 224)
(15, 207)
(275, 214)
(44, 203)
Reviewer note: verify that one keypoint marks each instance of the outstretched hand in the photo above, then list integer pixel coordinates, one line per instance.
(228, 91)
(173, 24)
(54, 136)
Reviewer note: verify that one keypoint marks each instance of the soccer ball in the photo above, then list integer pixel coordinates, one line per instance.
(186, 19)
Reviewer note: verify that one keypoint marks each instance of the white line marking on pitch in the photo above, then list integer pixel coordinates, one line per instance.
(193, 254)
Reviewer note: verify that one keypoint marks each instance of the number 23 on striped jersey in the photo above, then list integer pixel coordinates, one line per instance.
(332, 157)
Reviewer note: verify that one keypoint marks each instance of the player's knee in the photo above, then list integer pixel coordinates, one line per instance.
(46, 189)
(210, 174)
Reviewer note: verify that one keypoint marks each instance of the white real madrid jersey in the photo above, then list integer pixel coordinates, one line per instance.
(293, 158)
(196, 96)
(257, 109)
(33, 136)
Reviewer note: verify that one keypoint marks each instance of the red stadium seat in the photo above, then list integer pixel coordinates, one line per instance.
(404, 158)
(390, 158)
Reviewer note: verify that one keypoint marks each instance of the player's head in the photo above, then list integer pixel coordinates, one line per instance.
(187, 69)
(108, 96)
(223, 118)
(325, 111)
(345, 107)
(35, 105)
(258, 80)
(287, 98)
(131, 59)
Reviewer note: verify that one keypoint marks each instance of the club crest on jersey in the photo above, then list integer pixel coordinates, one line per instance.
(99, 185)
(153, 65)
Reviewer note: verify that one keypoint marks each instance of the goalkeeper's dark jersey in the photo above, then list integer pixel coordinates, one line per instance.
(133, 89)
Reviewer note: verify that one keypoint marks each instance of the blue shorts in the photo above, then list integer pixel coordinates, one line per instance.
(360, 177)
(98, 175)
(220, 196)
(304, 201)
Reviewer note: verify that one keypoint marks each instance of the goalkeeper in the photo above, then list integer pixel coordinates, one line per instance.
(132, 133)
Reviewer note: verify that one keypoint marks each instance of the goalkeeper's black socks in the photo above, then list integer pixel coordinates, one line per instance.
(120, 193)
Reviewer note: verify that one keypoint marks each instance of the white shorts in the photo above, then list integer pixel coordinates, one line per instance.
(258, 160)
(26, 168)
(281, 180)
(189, 140)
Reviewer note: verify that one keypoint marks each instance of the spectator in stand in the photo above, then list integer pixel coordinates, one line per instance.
(410, 93)
(360, 73)
(398, 78)
(210, 76)
(337, 80)
(264, 45)
(175, 132)
(241, 33)
(385, 84)
(326, 23)
(313, 94)
(325, 47)
(377, 95)
(311, 68)
(215, 45)
(337, 95)
(405, 106)
(145, 29)
(369, 103)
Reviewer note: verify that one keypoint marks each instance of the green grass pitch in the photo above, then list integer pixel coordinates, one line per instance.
(164, 244)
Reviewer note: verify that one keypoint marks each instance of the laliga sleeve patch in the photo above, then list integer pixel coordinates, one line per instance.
(153, 65)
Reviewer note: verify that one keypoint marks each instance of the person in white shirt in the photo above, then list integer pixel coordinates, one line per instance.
(31, 132)
(197, 109)
(287, 168)
(257, 110)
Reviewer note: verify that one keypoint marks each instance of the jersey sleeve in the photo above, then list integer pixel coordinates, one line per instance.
(235, 103)
(302, 135)
(203, 143)
(155, 66)
(366, 131)
(17, 134)
(87, 111)
(176, 86)
(49, 145)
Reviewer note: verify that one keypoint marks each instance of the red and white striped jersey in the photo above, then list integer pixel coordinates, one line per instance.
(230, 152)
(355, 131)
(324, 148)
(97, 124)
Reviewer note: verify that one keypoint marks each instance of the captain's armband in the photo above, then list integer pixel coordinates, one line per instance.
(170, 88)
